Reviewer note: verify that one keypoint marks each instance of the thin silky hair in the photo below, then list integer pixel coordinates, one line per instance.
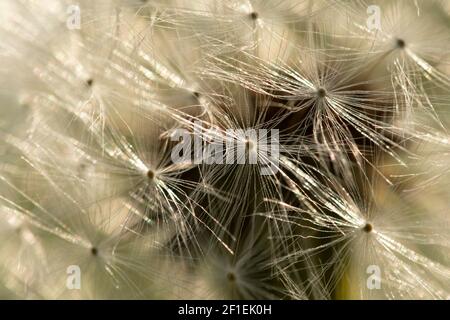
(98, 98)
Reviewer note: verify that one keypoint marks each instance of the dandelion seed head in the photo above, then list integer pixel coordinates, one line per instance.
(91, 117)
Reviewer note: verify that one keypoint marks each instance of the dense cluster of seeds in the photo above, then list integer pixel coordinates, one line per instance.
(93, 96)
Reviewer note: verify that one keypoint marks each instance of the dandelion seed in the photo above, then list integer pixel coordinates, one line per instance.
(231, 277)
(400, 43)
(254, 15)
(90, 82)
(367, 228)
(150, 175)
(321, 93)
(94, 251)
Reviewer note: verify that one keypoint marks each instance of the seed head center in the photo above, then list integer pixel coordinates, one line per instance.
(150, 175)
(231, 276)
(89, 82)
(249, 144)
(254, 15)
(368, 228)
(400, 43)
(94, 251)
(321, 93)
